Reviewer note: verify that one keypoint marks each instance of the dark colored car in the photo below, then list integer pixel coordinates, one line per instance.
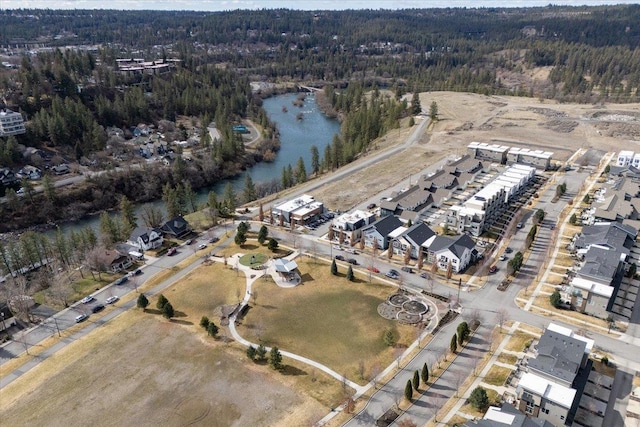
(424, 275)
(121, 280)
(407, 269)
(339, 257)
(371, 206)
(352, 261)
(493, 269)
(97, 308)
(508, 250)
(214, 239)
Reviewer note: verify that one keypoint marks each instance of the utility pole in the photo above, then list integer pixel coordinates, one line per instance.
(459, 287)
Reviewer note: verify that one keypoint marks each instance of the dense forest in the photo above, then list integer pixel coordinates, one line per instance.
(593, 51)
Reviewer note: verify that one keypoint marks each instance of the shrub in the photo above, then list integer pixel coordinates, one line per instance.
(479, 399)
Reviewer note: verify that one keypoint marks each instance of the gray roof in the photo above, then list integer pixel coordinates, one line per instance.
(456, 245)
(613, 235)
(519, 420)
(386, 225)
(142, 232)
(419, 233)
(559, 356)
(600, 263)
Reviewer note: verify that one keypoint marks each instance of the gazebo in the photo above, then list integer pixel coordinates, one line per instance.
(286, 268)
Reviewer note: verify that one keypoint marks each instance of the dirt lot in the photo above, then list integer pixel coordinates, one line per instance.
(511, 121)
(144, 370)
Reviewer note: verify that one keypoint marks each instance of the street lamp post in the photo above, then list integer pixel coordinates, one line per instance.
(57, 327)
(4, 327)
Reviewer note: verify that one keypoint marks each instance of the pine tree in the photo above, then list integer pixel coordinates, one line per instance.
(334, 268)
(408, 391)
(433, 111)
(301, 171)
(416, 380)
(350, 276)
(212, 329)
(204, 322)
(263, 234)
(315, 160)
(251, 352)
(272, 245)
(389, 339)
(261, 353)
(167, 311)
(424, 374)
(162, 301)
(249, 192)
(453, 346)
(229, 198)
(142, 302)
(275, 358)
(416, 108)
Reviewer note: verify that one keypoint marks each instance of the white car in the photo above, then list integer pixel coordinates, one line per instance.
(337, 248)
(202, 246)
(81, 317)
(87, 299)
(112, 299)
(352, 251)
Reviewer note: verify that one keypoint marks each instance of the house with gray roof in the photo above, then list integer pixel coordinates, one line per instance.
(555, 378)
(415, 237)
(507, 416)
(381, 231)
(459, 252)
(145, 238)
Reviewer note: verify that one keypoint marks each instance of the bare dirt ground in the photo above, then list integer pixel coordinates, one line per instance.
(144, 370)
(512, 121)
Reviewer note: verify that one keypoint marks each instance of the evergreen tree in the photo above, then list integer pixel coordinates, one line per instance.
(555, 299)
(49, 189)
(433, 111)
(388, 338)
(416, 108)
(213, 207)
(168, 313)
(128, 215)
(251, 352)
(453, 346)
(275, 358)
(204, 322)
(171, 201)
(350, 276)
(479, 399)
(416, 380)
(272, 245)
(463, 332)
(229, 199)
(142, 302)
(408, 391)
(315, 160)
(263, 234)
(212, 329)
(424, 374)
(162, 301)
(261, 353)
(301, 171)
(249, 192)
(241, 238)
(334, 268)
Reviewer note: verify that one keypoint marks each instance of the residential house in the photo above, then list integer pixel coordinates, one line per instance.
(114, 261)
(350, 225)
(145, 238)
(30, 172)
(555, 378)
(413, 239)
(176, 227)
(7, 177)
(624, 158)
(11, 123)
(382, 231)
(507, 416)
(6, 317)
(459, 252)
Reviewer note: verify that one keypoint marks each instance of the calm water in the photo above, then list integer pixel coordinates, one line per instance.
(296, 139)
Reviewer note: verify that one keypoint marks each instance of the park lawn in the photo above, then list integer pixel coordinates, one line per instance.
(497, 375)
(251, 247)
(327, 319)
(161, 374)
(203, 290)
(518, 341)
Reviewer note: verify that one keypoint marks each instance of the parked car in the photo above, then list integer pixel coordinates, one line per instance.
(519, 225)
(337, 248)
(202, 246)
(214, 239)
(352, 261)
(112, 299)
(172, 251)
(424, 275)
(135, 272)
(339, 257)
(502, 257)
(373, 269)
(87, 299)
(407, 269)
(352, 251)
(121, 280)
(81, 317)
(392, 274)
(188, 242)
(98, 308)
(493, 269)
(371, 206)
(508, 250)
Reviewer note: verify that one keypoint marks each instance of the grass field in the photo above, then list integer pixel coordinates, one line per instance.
(327, 319)
(497, 375)
(509, 359)
(518, 341)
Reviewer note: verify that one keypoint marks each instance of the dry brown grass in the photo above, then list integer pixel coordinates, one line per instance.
(603, 369)
(497, 375)
(327, 319)
(509, 359)
(518, 341)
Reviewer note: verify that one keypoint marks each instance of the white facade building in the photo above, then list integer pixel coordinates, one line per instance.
(11, 123)
(624, 158)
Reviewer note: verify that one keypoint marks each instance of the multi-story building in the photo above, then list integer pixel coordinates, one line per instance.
(555, 378)
(298, 211)
(624, 158)
(492, 152)
(11, 123)
(347, 228)
(536, 158)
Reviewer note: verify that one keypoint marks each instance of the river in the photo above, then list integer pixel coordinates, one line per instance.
(296, 139)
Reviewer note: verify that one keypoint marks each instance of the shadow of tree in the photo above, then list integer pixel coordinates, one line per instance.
(182, 322)
(292, 370)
